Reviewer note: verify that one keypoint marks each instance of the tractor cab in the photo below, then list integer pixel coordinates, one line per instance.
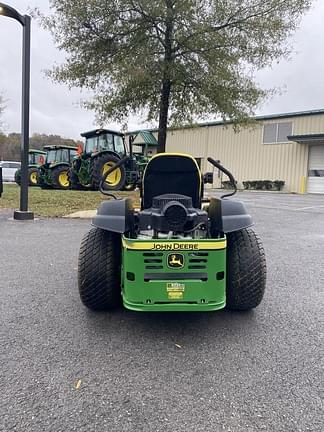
(104, 140)
(36, 157)
(54, 172)
(178, 252)
(59, 154)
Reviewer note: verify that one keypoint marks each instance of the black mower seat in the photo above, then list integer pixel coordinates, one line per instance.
(171, 173)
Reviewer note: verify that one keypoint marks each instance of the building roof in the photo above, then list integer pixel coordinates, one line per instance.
(258, 118)
(145, 137)
(95, 132)
(307, 139)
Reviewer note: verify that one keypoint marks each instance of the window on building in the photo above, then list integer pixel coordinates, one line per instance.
(276, 132)
(270, 133)
(316, 173)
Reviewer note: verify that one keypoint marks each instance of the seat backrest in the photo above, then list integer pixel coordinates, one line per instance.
(168, 173)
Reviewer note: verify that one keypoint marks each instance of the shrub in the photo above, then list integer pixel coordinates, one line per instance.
(227, 184)
(262, 184)
(246, 184)
(267, 184)
(278, 184)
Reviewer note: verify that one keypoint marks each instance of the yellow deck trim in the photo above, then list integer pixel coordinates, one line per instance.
(174, 245)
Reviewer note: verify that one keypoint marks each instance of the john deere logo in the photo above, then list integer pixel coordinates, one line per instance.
(175, 260)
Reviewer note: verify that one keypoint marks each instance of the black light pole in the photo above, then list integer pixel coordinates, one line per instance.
(24, 20)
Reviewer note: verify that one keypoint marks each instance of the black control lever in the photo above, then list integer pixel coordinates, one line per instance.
(225, 171)
(107, 173)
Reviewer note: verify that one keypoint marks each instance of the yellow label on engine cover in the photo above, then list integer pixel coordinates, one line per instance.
(175, 290)
(175, 295)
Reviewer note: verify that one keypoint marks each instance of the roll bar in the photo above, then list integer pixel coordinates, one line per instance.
(228, 173)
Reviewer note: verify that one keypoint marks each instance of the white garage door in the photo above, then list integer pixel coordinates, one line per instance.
(316, 169)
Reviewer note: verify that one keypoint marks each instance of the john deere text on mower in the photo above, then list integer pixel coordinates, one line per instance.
(172, 254)
(103, 148)
(36, 158)
(54, 172)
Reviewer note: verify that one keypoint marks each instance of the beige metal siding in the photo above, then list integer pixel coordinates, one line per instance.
(245, 155)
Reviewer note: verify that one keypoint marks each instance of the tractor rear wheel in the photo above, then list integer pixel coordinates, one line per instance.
(60, 177)
(99, 270)
(246, 270)
(115, 180)
(33, 176)
(18, 177)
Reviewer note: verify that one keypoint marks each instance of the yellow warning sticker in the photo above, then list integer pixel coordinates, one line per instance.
(175, 286)
(175, 290)
(175, 295)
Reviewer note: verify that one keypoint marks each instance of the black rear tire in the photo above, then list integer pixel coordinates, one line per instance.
(18, 177)
(33, 176)
(60, 178)
(246, 270)
(97, 172)
(99, 270)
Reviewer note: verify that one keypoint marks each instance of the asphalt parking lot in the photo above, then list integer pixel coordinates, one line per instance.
(64, 368)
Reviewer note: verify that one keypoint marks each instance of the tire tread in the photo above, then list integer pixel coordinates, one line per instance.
(246, 270)
(99, 270)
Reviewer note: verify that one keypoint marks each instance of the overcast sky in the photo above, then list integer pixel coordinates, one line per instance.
(56, 110)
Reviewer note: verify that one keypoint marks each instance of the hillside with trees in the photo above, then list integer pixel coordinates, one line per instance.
(10, 144)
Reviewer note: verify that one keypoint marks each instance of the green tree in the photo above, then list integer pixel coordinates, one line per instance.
(174, 61)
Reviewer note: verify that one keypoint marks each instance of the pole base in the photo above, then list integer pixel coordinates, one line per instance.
(23, 215)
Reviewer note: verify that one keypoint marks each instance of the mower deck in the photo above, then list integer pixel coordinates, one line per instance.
(177, 275)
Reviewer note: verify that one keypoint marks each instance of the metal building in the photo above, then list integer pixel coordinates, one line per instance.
(288, 147)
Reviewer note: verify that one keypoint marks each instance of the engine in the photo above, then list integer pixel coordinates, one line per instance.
(172, 216)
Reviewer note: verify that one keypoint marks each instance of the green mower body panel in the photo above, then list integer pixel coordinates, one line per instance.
(178, 275)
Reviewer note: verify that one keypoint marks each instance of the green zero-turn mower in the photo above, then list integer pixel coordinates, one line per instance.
(103, 148)
(54, 172)
(174, 253)
(36, 158)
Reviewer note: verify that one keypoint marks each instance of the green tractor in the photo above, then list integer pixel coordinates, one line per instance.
(36, 158)
(102, 150)
(54, 172)
(175, 253)
(142, 146)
